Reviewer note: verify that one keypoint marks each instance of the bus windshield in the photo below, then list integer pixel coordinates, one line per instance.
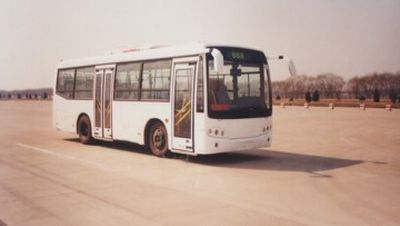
(241, 91)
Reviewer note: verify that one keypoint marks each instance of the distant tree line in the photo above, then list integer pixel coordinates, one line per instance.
(377, 85)
(328, 85)
(43, 93)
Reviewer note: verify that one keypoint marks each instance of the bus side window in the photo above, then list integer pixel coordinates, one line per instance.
(156, 78)
(84, 83)
(127, 81)
(65, 83)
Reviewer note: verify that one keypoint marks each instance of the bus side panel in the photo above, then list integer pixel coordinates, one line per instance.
(130, 118)
(66, 112)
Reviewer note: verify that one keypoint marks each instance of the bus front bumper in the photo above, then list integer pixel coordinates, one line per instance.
(220, 145)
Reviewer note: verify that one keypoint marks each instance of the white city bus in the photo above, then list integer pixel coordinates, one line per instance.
(191, 99)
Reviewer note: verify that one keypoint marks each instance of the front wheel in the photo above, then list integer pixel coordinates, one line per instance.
(158, 140)
(85, 130)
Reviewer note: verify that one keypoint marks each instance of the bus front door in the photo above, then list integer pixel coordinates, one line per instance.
(182, 138)
(103, 102)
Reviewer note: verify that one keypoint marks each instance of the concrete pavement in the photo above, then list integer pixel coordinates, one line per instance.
(326, 167)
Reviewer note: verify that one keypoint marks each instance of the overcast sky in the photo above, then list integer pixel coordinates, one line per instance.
(346, 37)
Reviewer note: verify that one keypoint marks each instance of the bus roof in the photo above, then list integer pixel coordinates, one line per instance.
(140, 54)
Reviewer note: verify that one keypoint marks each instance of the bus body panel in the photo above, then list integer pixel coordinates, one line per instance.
(66, 112)
(130, 118)
(200, 131)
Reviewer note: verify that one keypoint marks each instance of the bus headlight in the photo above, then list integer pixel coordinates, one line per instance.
(266, 129)
(216, 132)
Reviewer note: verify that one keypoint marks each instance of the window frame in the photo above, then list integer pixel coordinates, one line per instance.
(75, 78)
(61, 94)
(149, 90)
(263, 77)
(130, 90)
(140, 99)
(142, 62)
(73, 91)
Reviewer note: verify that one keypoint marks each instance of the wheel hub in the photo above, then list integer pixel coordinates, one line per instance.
(84, 130)
(158, 138)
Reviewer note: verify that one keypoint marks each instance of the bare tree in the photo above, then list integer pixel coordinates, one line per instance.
(333, 86)
(329, 85)
(366, 85)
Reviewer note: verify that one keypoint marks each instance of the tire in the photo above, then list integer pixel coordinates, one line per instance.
(85, 130)
(158, 140)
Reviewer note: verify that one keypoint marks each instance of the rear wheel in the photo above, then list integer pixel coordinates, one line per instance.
(85, 130)
(158, 140)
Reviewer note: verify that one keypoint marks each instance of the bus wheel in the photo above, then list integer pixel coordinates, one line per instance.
(158, 140)
(84, 130)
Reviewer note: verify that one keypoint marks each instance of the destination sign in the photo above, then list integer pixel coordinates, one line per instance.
(241, 55)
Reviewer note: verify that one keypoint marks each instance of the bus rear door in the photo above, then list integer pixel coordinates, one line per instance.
(103, 101)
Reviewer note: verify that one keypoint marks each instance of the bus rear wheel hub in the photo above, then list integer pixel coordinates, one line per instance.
(158, 139)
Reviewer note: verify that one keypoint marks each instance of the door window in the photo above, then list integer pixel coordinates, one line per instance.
(183, 103)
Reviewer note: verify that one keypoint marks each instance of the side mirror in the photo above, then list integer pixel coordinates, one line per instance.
(218, 61)
(292, 68)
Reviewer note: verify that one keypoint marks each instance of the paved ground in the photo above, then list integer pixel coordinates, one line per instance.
(339, 167)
